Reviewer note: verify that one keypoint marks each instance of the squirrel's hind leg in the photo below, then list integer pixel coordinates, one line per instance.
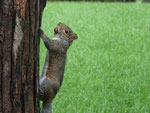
(47, 107)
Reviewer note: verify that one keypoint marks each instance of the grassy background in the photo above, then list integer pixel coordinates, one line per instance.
(108, 67)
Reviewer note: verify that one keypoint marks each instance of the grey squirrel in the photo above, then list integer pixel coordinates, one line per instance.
(54, 66)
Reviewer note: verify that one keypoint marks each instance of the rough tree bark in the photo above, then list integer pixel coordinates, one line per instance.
(19, 55)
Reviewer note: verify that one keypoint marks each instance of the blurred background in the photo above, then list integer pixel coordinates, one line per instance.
(108, 66)
(105, 0)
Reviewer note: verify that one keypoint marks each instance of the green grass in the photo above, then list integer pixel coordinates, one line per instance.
(108, 67)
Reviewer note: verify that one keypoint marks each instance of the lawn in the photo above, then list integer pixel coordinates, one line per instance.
(108, 67)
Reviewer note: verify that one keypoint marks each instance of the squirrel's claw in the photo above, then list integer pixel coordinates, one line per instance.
(42, 34)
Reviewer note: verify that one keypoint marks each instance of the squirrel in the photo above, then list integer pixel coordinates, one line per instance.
(54, 66)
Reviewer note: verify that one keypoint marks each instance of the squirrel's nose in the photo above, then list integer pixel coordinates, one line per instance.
(56, 30)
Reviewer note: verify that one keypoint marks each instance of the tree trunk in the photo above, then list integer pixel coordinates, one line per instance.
(20, 21)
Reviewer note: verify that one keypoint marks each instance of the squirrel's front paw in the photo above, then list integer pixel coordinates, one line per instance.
(42, 34)
(41, 30)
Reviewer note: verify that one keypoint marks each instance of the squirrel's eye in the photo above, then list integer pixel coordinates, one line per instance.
(66, 31)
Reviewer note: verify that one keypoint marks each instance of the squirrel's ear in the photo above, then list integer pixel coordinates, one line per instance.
(74, 36)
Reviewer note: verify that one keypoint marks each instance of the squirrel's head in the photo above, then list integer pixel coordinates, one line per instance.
(64, 32)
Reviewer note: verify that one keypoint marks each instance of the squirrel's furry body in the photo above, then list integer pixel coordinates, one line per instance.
(54, 67)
